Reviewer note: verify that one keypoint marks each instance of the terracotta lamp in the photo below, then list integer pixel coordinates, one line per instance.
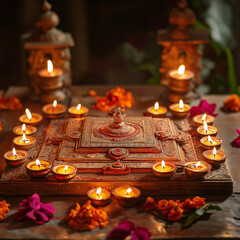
(157, 111)
(78, 111)
(214, 157)
(99, 196)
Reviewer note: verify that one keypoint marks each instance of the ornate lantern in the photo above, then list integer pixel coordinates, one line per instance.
(181, 45)
(48, 43)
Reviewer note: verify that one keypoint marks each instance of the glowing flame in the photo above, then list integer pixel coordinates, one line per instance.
(205, 126)
(38, 163)
(163, 164)
(181, 70)
(24, 137)
(156, 106)
(181, 104)
(24, 127)
(28, 113)
(49, 66)
(197, 164)
(214, 152)
(128, 190)
(79, 107)
(204, 117)
(99, 190)
(210, 139)
(65, 168)
(54, 103)
(14, 152)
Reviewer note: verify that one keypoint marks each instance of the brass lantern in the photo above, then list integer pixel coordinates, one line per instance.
(48, 43)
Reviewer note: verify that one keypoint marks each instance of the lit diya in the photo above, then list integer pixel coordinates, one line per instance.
(211, 142)
(54, 110)
(29, 118)
(15, 158)
(38, 168)
(99, 196)
(126, 196)
(180, 109)
(157, 111)
(197, 169)
(206, 130)
(78, 111)
(164, 170)
(64, 172)
(24, 129)
(23, 142)
(199, 119)
(214, 157)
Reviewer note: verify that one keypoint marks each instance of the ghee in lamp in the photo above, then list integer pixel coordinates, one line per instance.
(126, 196)
(164, 170)
(78, 111)
(15, 158)
(214, 157)
(157, 111)
(209, 142)
(38, 168)
(197, 169)
(23, 142)
(199, 119)
(32, 119)
(64, 172)
(24, 129)
(54, 110)
(206, 130)
(99, 196)
(180, 109)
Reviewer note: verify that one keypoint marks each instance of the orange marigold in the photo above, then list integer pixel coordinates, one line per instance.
(12, 103)
(175, 213)
(4, 208)
(165, 206)
(92, 93)
(195, 203)
(232, 103)
(149, 204)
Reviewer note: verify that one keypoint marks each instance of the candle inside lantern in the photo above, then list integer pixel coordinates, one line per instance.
(50, 71)
(99, 196)
(78, 111)
(181, 73)
(157, 110)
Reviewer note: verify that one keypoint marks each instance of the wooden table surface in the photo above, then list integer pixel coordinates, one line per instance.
(222, 224)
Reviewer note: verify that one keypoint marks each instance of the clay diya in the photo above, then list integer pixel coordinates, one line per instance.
(211, 142)
(214, 157)
(164, 170)
(180, 109)
(64, 173)
(24, 129)
(206, 130)
(54, 110)
(197, 169)
(199, 119)
(15, 158)
(29, 118)
(126, 196)
(157, 111)
(23, 142)
(38, 168)
(78, 111)
(99, 196)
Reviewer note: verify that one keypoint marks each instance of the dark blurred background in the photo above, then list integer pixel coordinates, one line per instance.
(112, 38)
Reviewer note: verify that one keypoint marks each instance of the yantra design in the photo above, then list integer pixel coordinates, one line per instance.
(93, 157)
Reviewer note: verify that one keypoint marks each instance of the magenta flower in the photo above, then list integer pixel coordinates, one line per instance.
(32, 208)
(127, 228)
(203, 107)
(236, 141)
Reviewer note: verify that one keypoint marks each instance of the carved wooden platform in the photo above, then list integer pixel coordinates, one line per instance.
(90, 162)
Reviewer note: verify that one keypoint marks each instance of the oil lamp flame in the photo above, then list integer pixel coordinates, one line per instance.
(24, 128)
(214, 152)
(163, 164)
(156, 106)
(197, 164)
(24, 138)
(204, 117)
(49, 66)
(14, 152)
(210, 139)
(205, 126)
(181, 70)
(65, 168)
(181, 104)
(79, 107)
(99, 190)
(54, 103)
(129, 190)
(38, 163)
(28, 113)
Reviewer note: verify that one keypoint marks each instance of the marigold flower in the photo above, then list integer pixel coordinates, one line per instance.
(195, 203)
(12, 103)
(165, 206)
(232, 103)
(4, 208)
(175, 213)
(92, 93)
(149, 204)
